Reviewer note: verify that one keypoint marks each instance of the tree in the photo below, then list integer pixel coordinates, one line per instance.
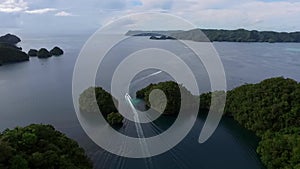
(172, 91)
(115, 118)
(271, 109)
(40, 146)
(56, 51)
(94, 99)
(43, 53)
(18, 162)
(32, 52)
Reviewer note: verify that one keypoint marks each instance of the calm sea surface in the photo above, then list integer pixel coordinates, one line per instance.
(40, 91)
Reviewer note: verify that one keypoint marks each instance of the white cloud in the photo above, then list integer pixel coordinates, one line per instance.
(12, 6)
(278, 15)
(40, 11)
(249, 14)
(63, 13)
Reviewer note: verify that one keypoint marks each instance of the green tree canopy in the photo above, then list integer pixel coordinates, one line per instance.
(40, 146)
(271, 109)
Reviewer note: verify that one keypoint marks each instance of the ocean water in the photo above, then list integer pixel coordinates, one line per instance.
(40, 91)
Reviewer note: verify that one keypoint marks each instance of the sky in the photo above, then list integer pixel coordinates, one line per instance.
(84, 15)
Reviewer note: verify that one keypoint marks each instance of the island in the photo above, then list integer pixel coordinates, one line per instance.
(40, 146)
(9, 52)
(115, 119)
(32, 52)
(171, 91)
(162, 37)
(239, 35)
(44, 53)
(10, 39)
(104, 102)
(270, 109)
(56, 51)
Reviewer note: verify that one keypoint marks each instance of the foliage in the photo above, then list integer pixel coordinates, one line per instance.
(273, 104)
(239, 35)
(281, 150)
(115, 118)
(56, 51)
(43, 53)
(161, 37)
(10, 55)
(40, 146)
(96, 98)
(271, 109)
(205, 100)
(10, 39)
(242, 35)
(172, 92)
(32, 52)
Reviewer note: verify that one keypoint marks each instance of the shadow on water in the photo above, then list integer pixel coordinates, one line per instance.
(231, 146)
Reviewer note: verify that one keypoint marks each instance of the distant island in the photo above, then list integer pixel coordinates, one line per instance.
(44, 53)
(10, 39)
(11, 53)
(162, 37)
(220, 35)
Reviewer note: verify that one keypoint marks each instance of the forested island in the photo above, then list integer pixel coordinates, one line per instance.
(40, 147)
(44, 53)
(270, 108)
(11, 53)
(220, 35)
(172, 93)
(104, 102)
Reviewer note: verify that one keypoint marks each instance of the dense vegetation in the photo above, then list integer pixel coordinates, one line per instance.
(32, 52)
(272, 105)
(162, 37)
(40, 147)
(115, 118)
(242, 35)
(281, 149)
(10, 55)
(56, 51)
(239, 35)
(9, 52)
(10, 39)
(172, 93)
(43, 53)
(271, 109)
(103, 101)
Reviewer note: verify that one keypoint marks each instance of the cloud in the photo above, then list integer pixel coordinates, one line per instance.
(40, 11)
(12, 6)
(249, 14)
(156, 4)
(63, 13)
(278, 15)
